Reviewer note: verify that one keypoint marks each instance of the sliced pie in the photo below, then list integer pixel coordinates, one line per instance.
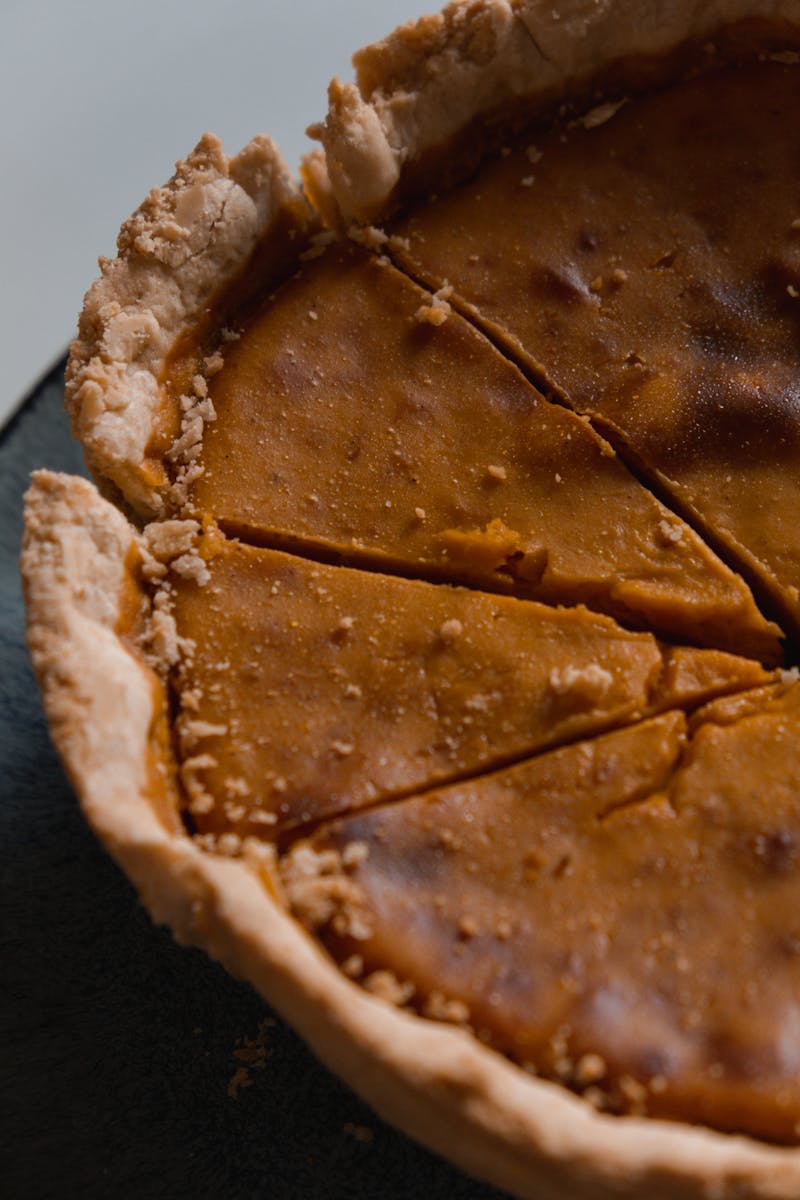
(410, 664)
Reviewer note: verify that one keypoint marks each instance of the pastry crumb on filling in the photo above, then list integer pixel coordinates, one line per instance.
(321, 892)
(439, 309)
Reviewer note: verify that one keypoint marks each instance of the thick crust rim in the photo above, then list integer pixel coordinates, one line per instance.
(433, 1081)
(175, 255)
(434, 78)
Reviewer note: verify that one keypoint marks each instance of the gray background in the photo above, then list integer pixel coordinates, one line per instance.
(97, 100)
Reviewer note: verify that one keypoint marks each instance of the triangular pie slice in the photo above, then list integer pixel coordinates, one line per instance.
(655, 286)
(349, 425)
(306, 690)
(619, 914)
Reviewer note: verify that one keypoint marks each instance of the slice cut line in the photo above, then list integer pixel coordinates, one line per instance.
(305, 690)
(349, 426)
(639, 294)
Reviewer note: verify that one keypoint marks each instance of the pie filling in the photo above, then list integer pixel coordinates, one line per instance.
(672, 320)
(620, 914)
(307, 690)
(501, 717)
(351, 426)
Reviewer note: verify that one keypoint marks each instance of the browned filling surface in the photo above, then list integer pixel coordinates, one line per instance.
(440, 645)
(351, 426)
(648, 270)
(313, 689)
(620, 914)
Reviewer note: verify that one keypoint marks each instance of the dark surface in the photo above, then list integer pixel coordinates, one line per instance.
(118, 1046)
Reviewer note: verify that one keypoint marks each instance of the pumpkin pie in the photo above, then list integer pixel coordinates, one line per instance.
(428, 656)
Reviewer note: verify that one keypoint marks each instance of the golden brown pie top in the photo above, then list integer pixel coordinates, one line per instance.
(620, 914)
(455, 533)
(351, 425)
(358, 420)
(654, 283)
(311, 690)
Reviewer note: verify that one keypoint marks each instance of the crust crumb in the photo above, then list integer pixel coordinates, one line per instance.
(197, 412)
(191, 566)
(353, 967)
(236, 785)
(634, 1094)
(587, 683)
(162, 636)
(369, 236)
(261, 816)
(251, 1054)
(451, 630)
(193, 731)
(670, 532)
(438, 1007)
(601, 114)
(318, 246)
(229, 844)
(200, 800)
(361, 1133)
(354, 854)
(167, 540)
(343, 627)
(467, 928)
(213, 364)
(437, 312)
(321, 895)
(386, 986)
(241, 1078)
(589, 1069)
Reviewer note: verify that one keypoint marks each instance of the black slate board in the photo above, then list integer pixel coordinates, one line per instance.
(117, 1045)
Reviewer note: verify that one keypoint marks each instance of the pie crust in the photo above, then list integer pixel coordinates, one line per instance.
(105, 705)
(420, 90)
(175, 254)
(96, 641)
